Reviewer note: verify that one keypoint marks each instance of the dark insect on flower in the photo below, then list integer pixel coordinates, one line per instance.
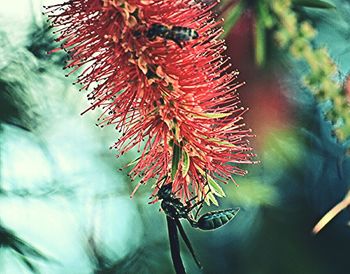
(175, 210)
(178, 34)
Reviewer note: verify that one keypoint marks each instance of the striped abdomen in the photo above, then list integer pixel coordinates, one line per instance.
(181, 34)
(215, 219)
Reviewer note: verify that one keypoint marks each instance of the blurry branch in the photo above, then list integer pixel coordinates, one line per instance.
(47, 191)
(279, 19)
(40, 42)
(322, 145)
(17, 106)
(147, 257)
(141, 260)
(20, 105)
(314, 4)
(21, 248)
(232, 15)
(96, 255)
(11, 100)
(332, 213)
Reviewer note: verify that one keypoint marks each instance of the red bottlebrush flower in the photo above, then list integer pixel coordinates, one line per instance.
(157, 70)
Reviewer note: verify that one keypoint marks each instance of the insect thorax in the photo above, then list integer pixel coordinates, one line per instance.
(156, 30)
(174, 208)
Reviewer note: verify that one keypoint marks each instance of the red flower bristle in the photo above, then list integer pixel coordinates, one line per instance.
(156, 92)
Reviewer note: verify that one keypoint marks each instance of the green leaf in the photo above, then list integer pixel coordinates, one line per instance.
(232, 16)
(177, 132)
(212, 115)
(135, 161)
(211, 189)
(216, 115)
(266, 16)
(314, 4)
(260, 36)
(224, 143)
(185, 163)
(214, 187)
(201, 171)
(176, 159)
(210, 197)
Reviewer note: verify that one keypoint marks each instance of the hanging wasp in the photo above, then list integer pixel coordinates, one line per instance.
(179, 35)
(175, 210)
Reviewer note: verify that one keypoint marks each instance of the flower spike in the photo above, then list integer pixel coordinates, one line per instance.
(156, 70)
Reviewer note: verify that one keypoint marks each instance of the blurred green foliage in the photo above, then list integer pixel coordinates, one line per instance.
(282, 21)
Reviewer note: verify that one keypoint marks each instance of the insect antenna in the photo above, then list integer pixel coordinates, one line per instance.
(187, 242)
(156, 198)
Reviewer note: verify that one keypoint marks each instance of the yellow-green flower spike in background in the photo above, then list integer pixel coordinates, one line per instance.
(297, 37)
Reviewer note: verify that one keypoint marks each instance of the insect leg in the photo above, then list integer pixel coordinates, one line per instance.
(190, 200)
(198, 210)
(160, 182)
(187, 242)
(174, 246)
(201, 205)
(178, 43)
(190, 208)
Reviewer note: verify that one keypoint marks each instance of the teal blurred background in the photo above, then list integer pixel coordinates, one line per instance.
(65, 207)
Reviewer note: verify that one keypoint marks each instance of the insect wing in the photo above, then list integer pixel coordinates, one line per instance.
(175, 246)
(187, 242)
